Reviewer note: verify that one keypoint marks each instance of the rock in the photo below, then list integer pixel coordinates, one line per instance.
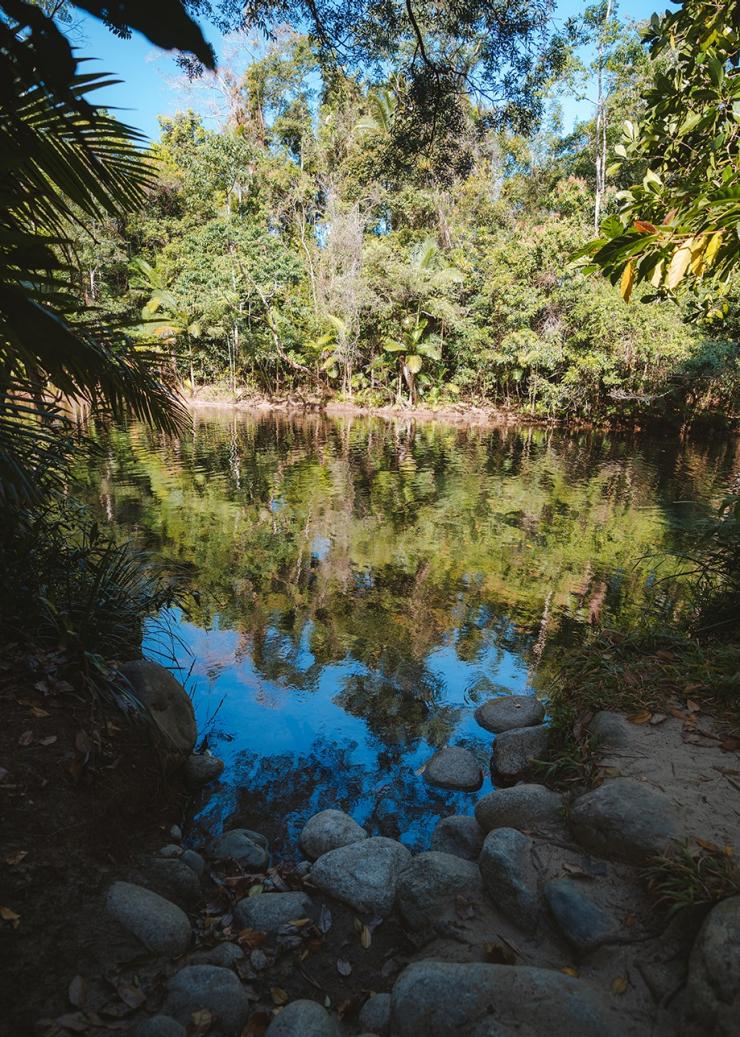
(303, 1019)
(194, 861)
(202, 768)
(625, 820)
(530, 808)
(327, 831)
(375, 1015)
(176, 833)
(168, 705)
(162, 927)
(225, 955)
(242, 845)
(509, 875)
(172, 879)
(363, 875)
(429, 883)
(445, 999)
(713, 997)
(266, 912)
(583, 923)
(458, 835)
(514, 751)
(509, 712)
(211, 987)
(160, 1026)
(171, 850)
(611, 730)
(454, 768)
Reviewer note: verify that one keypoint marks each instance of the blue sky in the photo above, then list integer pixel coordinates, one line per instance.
(150, 77)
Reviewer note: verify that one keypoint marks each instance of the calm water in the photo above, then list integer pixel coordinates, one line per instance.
(363, 585)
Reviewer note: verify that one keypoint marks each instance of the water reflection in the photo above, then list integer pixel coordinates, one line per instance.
(363, 585)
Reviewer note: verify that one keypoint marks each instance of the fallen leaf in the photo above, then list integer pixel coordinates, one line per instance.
(202, 1021)
(640, 718)
(279, 996)
(26, 738)
(365, 937)
(325, 919)
(706, 844)
(299, 922)
(619, 984)
(498, 954)
(255, 890)
(727, 850)
(39, 712)
(730, 745)
(131, 995)
(569, 970)
(257, 1025)
(11, 916)
(344, 968)
(49, 740)
(77, 992)
(251, 938)
(693, 707)
(658, 718)
(630, 920)
(16, 858)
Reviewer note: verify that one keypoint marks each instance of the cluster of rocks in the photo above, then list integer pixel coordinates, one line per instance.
(495, 907)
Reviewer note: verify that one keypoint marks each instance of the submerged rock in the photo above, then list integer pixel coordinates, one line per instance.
(625, 820)
(363, 875)
(303, 1018)
(510, 877)
(443, 999)
(514, 752)
(526, 807)
(713, 1001)
(242, 845)
(202, 768)
(454, 768)
(328, 830)
(162, 927)
(508, 712)
(429, 883)
(167, 703)
(583, 923)
(375, 1015)
(459, 835)
(266, 912)
(211, 987)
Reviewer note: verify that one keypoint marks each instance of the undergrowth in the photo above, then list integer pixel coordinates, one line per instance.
(689, 877)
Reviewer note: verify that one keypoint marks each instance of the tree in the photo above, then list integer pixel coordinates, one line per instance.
(678, 225)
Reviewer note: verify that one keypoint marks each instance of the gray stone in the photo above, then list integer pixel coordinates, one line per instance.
(611, 730)
(240, 844)
(162, 927)
(226, 955)
(458, 835)
(211, 987)
(454, 768)
(428, 885)
(515, 750)
(202, 768)
(176, 833)
(625, 820)
(583, 923)
(444, 999)
(363, 875)
(327, 831)
(509, 875)
(509, 712)
(160, 1026)
(171, 850)
(303, 1019)
(713, 1001)
(531, 808)
(375, 1015)
(170, 878)
(167, 703)
(194, 861)
(266, 912)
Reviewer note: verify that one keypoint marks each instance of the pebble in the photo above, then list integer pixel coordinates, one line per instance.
(176, 833)
(162, 927)
(375, 1015)
(508, 712)
(194, 861)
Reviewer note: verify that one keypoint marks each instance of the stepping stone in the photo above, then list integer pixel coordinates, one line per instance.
(429, 884)
(625, 820)
(508, 712)
(459, 835)
(514, 752)
(363, 875)
(509, 876)
(526, 807)
(327, 831)
(162, 927)
(454, 768)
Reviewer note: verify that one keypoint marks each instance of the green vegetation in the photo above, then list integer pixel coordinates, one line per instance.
(693, 876)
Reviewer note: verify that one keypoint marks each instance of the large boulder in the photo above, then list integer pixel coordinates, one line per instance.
(303, 1018)
(454, 768)
(713, 998)
(168, 705)
(249, 848)
(215, 989)
(530, 808)
(515, 751)
(267, 912)
(583, 923)
(508, 712)
(459, 835)
(444, 999)
(510, 877)
(363, 875)
(625, 820)
(162, 927)
(328, 830)
(428, 885)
